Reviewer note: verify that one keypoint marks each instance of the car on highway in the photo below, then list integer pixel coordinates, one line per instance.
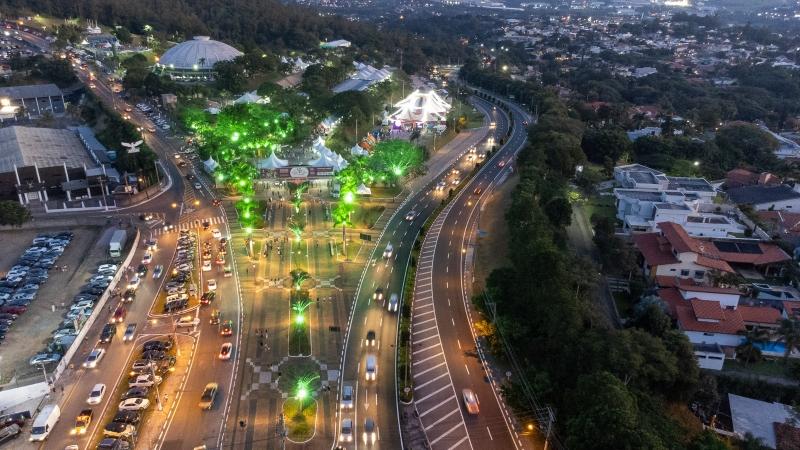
(130, 331)
(208, 396)
(129, 295)
(411, 215)
(477, 191)
(158, 271)
(371, 368)
(211, 284)
(82, 422)
(141, 270)
(187, 322)
(216, 233)
(393, 303)
(370, 340)
(347, 396)
(134, 404)
(129, 417)
(227, 329)
(144, 380)
(470, 401)
(207, 265)
(96, 394)
(387, 252)
(134, 282)
(197, 185)
(119, 430)
(378, 294)
(501, 164)
(119, 314)
(108, 333)
(225, 351)
(136, 392)
(370, 434)
(94, 358)
(346, 431)
(147, 258)
(208, 297)
(456, 181)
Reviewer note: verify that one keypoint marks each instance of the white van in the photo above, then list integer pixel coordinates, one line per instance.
(371, 369)
(44, 423)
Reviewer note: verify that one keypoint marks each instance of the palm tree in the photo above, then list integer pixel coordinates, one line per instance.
(748, 350)
(789, 332)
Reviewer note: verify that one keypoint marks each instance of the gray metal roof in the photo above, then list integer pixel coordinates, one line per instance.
(200, 51)
(760, 194)
(30, 91)
(652, 196)
(758, 417)
(45, 147)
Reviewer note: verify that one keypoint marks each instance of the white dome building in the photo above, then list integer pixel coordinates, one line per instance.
(194, 60)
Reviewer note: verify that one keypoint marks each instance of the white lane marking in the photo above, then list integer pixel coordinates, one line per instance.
(458, 443)
(458, 341)
(453, 321)
(428, 370)
(426, 339)
(432, 394)
(427, 359)
(426, 329)
(467, 368)
(490, 434)
(452, 397)
(420, 350)
(423, 314)
(420, 386)
(441, 419)
(426, 321)
(441, 436)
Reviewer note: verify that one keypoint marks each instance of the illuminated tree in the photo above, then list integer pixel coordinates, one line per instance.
(394, 158)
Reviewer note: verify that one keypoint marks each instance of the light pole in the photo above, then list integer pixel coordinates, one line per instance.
(158, 395)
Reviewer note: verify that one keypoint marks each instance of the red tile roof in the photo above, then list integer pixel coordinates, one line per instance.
(672, 297)
(770, 254)
(759, 314)
(787, 436)
(712, 263)
(789, 221)
(654, 248)
(731, 322)
(706, 309)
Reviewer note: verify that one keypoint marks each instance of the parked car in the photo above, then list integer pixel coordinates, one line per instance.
(44, 358)
(134, 404)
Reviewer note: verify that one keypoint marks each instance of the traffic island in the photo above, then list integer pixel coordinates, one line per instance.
(299, 333)
(300, 419)
(300, 383)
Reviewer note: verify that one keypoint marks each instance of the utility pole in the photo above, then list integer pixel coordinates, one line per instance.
(545, 415)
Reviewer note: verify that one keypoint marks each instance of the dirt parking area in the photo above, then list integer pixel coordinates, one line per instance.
(31, 332)
(492, 248)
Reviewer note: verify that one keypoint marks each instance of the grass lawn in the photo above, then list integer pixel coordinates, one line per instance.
(300, 418)
(385, 191)
(602, 205)
(299, 336)
(473, 118)
(767, 367)
(366, 216)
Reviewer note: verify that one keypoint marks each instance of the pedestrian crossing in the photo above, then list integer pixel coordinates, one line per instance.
(190, 224)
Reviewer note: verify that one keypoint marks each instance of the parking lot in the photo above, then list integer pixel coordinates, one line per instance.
(32, 330)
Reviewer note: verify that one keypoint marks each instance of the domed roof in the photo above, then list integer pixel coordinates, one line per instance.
(200, 51)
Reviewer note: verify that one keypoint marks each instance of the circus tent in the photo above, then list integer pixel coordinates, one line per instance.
(421, 106)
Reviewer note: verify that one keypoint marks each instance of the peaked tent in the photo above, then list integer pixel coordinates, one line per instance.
(210, 165)
(362, 189)
(421, 106)
(272, 162)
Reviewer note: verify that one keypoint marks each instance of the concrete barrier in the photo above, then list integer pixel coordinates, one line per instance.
(98, 309)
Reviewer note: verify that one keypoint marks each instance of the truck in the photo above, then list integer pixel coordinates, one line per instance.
(117, 243)
(44, 423)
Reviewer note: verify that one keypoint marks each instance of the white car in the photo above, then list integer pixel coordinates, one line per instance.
(94, 357)
(411, 215)
(198, 186)
(346, 433)
(107, 268)
(96, 395)
(207, 265)
(134, 404)
(148, 258)
(134, 282)
(347, 397)
(146, 380)
(393, 303)
(471, 401)
(216, 234)
(212, 284)
(187, 321)
(387, 253)
(225, 351)
(158, 271)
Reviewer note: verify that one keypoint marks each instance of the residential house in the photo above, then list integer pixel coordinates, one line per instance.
(637, 176)
(672, 252)
(742, 177)
(773, 423)
(762, 198)
(782, 224)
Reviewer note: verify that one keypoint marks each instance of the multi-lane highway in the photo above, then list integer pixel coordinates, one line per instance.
(446, 360)
(377, 399)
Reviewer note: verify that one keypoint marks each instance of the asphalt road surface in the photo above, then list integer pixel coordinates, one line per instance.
(377, 399)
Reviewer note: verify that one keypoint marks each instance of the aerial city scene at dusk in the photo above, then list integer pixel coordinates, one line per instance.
(400, 224)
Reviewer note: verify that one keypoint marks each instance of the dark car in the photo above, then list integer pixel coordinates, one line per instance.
(129, 295)
(129, 417)
(207, 297)
(136, 392)
(162, 345)
(141, 270)
(108, 333)
(10, 309)
(175, 305)
(154, 355)
(8, 316)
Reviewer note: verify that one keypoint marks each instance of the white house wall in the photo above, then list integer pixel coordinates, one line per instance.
(727, 340)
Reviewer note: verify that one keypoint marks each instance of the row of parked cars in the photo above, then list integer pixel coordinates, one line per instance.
(20, 286)
(156, 360)
(81, 308)
(154, 115)
(180, 286)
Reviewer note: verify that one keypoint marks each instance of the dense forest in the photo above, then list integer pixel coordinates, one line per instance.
(266, 24)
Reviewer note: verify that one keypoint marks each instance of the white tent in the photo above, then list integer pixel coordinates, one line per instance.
(212, 110)
(249, 97)
(272, 162)
(210, 166)
(324, 161)
(358, 150)
(421, 106)
(362, 189)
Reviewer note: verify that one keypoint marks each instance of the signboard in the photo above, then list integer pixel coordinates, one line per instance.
(298, 172)
(365, 237)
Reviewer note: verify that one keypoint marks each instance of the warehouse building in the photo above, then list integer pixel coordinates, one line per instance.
(38, 165)
(34, 100)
